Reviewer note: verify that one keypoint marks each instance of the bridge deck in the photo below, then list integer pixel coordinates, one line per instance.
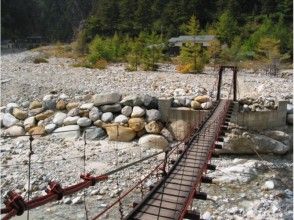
(167, 201)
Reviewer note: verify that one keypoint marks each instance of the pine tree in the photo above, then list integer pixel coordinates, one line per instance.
(227, 28)
(191, 52)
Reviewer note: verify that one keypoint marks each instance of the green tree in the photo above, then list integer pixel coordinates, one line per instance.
(268, 48)
(191, 52)
(152, 52)
(214, 50)
(226, 28)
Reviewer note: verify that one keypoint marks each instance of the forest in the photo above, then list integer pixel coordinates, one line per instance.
(248, 28)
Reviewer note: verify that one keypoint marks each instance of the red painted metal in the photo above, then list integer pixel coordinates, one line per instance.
(15, 204)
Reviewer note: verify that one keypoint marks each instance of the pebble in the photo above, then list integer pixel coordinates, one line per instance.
(269, 185)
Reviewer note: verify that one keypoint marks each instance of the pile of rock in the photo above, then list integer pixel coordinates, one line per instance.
(259, 104)
(201, 101)
(122, 119)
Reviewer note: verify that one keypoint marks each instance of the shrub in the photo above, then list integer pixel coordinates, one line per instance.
(184, 68)
(100, 64)
(40, 60)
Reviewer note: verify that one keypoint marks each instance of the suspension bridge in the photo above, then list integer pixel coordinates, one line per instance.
(182, 172)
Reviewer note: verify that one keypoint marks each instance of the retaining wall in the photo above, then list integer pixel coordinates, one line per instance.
(261, 120)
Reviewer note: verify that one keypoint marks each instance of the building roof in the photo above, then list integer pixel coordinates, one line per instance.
(189, 38)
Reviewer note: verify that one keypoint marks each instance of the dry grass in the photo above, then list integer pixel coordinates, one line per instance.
(59, 50)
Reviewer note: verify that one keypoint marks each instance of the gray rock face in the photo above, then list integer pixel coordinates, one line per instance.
(137, 112)
(106, 99)
(70, 132)
(95, 133)
(107, 117)
(121, 119)
(15, 131)
(59, 118)
(9, 120)
(84, 122)
(49, 102)
(153, 141)
(111, 108)
(71, 120)
(153, 115)
(127, 111)
(94, 114)
(49, 128)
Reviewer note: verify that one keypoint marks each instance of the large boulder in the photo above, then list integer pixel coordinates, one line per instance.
(127, 111)
(29, 123)
(49, 102)
(9, 120)
(73, 112)
(19, 114)
(35, 104)
(72, 105)
(36, 111)
(44, 115)
(38, 130)
(131, 100)
(153, 127)
(137, 124)
(206, 105)
(107, 117)
(84, 122)
(202, 99)
(279, 136)
(149, 101)
(59, 118)
(15, 131)
(71, 120)
(153, 141)
(196, 105)
(120, 133)
(106, 99)
(153, 115)
(49, 128)
(166, 133)
(94, 114)
(10, 106)
(94, 133)
(179, 129)
(249, 143)
(121, 119)
(70, 131)
(61, 105)
(87, 106)
(138, 112)
(111, 108)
